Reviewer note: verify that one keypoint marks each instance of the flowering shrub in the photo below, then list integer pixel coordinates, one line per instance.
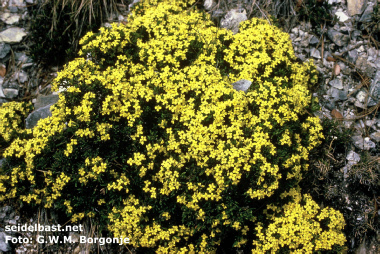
(173, 157)
(12, 115)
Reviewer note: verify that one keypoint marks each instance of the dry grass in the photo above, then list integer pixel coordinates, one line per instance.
(83, 11)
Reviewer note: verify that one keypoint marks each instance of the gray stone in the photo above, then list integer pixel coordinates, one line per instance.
(10, 19)
(12, 35)
(363, 65)
(36, 115)
(44, 100)
(375, 136)
(337, 83)
(11, 83)
(242, 85)
(21, 57)
(352, 156)
(10, 93)
(29, 1)
(315, 53)
(21, 76)
(4, 49)
(367, 15)
(232, 19)
(359, 104)
(314, 40)
(355, 34)
(342, 17)
(209, 4)
(305, 40)
(1, 85)
(363, 143)
(374, 90)
(338, 38)
(12, 222)
(356, 6)
(295, 31)
(338, 95)
(373, 54)
(4, 246)
(330, 105)
(18, 3)
(13, 9)
(370, 123)
(361, 96)
(352, 56)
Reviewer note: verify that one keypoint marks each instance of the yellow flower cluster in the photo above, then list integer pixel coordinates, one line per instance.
(299, 229)
(56, 188)
(12, 115)
(97, 167)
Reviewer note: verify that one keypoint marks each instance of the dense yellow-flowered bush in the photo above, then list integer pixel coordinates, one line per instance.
(174, 158)
(12, 122)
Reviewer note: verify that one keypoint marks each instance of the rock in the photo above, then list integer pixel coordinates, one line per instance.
(367, 15)
(10, 19)
(22, 58)
(363, 143)
(305, 41)
(363, 65)
(342, 17)
(352, 55)
(338, 95)
(44, 100)
(12, 35)
(295, 31)
(330, 105)
(314, 40)
(338, 38)
(375, 136)
(21, 77)
(356, 6)
(10, 93)
(12, 222)
(361, 96)
(209, 4)
(36, 115)
(355, 34)
(337, 83)
(18, 3)
(373, 54)
(232, 19)
(242, 85)
(5, 49)
(4, 246)
(315, 53)
(374, 90)
(352, 156)
(370, 123)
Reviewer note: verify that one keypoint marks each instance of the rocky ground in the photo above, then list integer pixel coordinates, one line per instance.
(344, 173)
